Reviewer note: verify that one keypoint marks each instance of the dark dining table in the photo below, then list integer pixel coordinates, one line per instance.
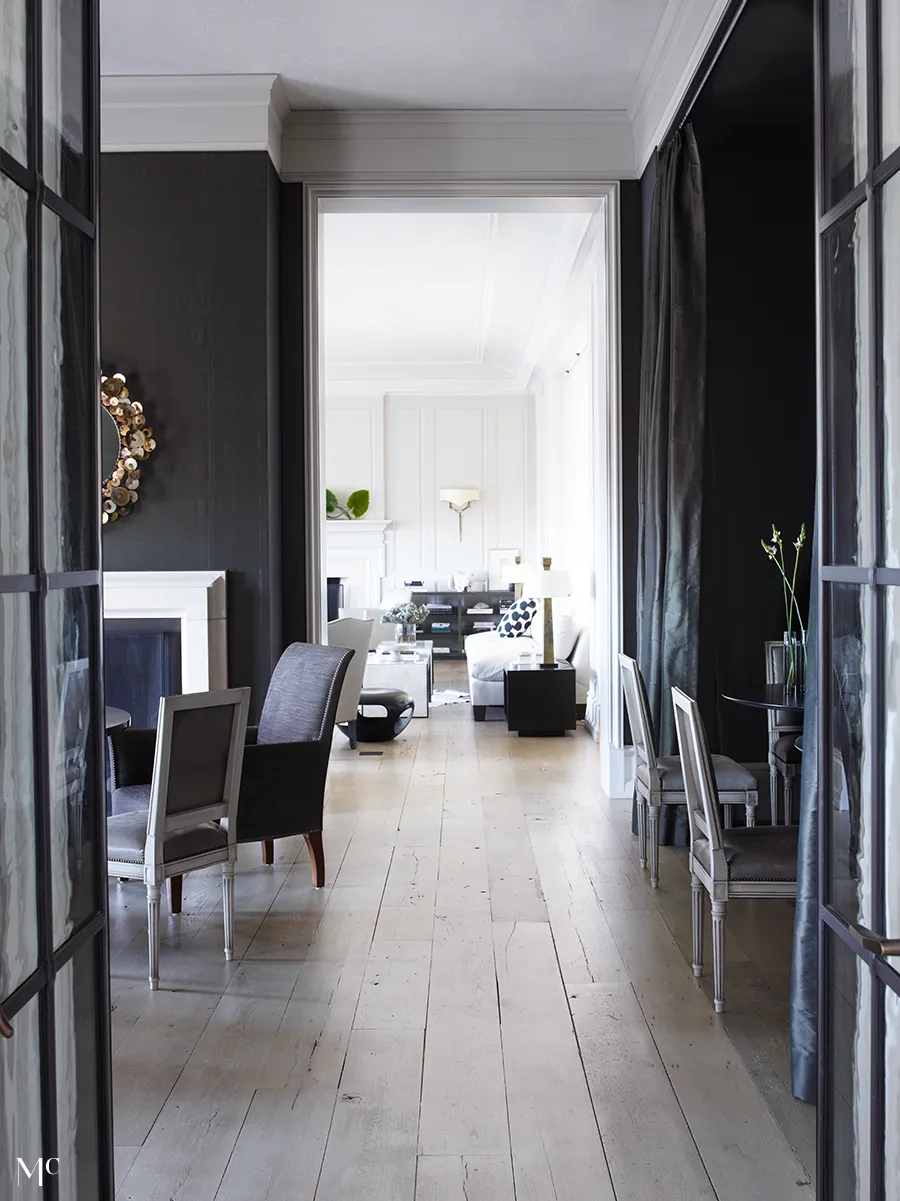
(771, 697)
(116, 719)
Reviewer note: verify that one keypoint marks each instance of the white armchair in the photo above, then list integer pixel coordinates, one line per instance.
(354, 634)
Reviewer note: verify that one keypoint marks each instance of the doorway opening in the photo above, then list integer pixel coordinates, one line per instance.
(467, 341)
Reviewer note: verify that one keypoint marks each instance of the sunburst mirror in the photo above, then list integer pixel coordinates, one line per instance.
(126, 442)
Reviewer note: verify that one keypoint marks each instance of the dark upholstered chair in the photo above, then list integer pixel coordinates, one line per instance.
(285, 759)
(751, 862)
(193, 798)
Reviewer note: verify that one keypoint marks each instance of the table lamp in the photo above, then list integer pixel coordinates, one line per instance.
(514, 574)
(545, 585)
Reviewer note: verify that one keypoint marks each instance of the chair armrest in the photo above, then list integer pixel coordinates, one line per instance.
(280, 762)
(282, 789)
(131, 756)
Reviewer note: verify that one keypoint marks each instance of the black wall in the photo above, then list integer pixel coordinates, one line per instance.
(190, 312)
(754, 121)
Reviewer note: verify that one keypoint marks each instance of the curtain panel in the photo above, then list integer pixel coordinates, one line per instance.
(671, 450)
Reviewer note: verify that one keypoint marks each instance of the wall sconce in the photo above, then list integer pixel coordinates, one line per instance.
(459, 500)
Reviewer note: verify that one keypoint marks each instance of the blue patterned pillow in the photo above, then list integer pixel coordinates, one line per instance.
(518, 618)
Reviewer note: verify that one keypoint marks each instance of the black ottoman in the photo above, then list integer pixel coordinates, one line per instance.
(398, 711)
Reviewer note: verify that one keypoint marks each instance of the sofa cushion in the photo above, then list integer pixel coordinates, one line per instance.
(488, 653)
(516, 621)
(565, 633)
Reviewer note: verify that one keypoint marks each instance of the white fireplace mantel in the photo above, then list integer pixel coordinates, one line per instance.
(355, 552)
(197, 599)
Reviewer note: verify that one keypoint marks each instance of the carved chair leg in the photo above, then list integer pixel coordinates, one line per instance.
(153, 896)
(642, 829)
(750, 814)
(175, 893)
(316, 858)
(228, 907)
(773, 794)
(268, 851)
(697, 891)
(653, 838)
(729, 817)
(788, 799)
(718, 925)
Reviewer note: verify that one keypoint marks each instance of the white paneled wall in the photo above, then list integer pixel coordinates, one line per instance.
(405, 448)
(354, 448)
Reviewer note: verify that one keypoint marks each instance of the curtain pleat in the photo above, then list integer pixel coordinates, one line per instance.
(671, 451)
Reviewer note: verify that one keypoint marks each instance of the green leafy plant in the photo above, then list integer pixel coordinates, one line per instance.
(355, 506)
(407, 613)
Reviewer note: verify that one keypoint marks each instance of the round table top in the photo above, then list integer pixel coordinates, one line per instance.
(772, 696)
(116, 718)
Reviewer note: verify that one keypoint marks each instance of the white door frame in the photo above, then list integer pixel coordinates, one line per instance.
(607, 719)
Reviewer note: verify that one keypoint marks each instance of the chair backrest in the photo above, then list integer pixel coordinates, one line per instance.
(197, 766)
(780, 721)
(354, 634)
(638, 714)
(699, 782)
(379, 632)
(303, 694)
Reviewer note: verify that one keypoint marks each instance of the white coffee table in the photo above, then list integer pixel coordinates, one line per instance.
(412, 673)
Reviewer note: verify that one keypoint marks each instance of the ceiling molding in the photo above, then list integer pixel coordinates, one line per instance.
(383, 384)
(458, 144)
(685, 31)
(192, 112)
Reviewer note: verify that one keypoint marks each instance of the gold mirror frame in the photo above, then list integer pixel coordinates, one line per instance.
(136, 443)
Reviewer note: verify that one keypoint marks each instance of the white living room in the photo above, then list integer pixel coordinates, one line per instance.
(465, 382)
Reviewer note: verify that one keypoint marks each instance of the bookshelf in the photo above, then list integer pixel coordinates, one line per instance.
(452, 616)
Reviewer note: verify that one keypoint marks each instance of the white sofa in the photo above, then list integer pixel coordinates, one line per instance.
(487, 654)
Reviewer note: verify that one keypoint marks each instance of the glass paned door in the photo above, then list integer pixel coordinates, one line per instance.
(859, 507)
(55, 1103)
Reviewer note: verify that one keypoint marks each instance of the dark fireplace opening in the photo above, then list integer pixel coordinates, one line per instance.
(141, 663)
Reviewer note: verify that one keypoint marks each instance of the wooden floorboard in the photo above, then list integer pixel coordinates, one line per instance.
(486, 1002)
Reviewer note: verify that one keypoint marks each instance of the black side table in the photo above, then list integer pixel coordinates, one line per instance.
(539, 700)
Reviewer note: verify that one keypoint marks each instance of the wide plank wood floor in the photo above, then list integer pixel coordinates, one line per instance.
(485, 1003)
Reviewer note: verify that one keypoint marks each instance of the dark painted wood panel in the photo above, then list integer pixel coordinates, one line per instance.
(189, 304)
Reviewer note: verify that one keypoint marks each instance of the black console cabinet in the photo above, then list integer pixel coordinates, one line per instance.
(539, 700)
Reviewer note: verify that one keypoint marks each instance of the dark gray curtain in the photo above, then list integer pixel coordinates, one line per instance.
(804, 965)
(672, 429)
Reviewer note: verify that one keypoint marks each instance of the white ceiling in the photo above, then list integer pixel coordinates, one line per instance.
(444, 298)
(420, 54)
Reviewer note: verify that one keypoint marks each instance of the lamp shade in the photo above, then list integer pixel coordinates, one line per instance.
(541, 584)
(513, 573)
(460, 496)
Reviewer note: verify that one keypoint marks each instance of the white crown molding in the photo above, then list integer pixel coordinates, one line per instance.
(684, 33)
(192, 112)
(355, 386)
(458, 144)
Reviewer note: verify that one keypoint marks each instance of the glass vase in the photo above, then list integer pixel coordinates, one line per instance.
(406, 633)
(791, 657)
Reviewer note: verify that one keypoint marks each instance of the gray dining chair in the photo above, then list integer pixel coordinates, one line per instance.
(785, 759)
(192, 819)
(755, 862)
(658, 780)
